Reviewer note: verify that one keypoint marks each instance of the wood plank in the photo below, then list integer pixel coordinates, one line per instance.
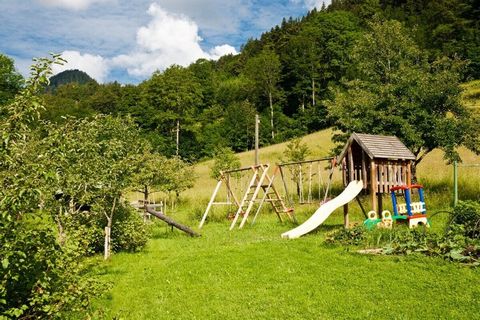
(364, 171)
(373, 184)
(380, 177)
(350, 165)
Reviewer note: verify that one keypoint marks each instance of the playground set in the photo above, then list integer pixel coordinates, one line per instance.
(371, 164)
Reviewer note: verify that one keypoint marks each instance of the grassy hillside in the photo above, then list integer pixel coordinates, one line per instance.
(433, 171)
(471, 94)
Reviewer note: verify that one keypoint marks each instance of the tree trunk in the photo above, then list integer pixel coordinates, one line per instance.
(172, 223)
(61, 230)
(108, 229)
(271, 113)
(313, 92)
(145, 201)
(178, 136)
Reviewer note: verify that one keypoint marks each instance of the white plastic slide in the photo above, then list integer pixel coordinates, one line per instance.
(322, 213)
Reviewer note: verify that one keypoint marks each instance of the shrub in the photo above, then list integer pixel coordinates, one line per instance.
(128, 231)
(353, 236)
(467, 214)
(39, 278)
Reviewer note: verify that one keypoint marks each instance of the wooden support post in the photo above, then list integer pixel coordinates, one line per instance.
(409, 173)
(373, 184)
(345, 216)
(364, 171)
(351, 168)
(257, 123)
(380, 202)
(212, 199)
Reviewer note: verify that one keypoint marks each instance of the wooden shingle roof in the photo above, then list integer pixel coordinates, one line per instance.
(383, 147)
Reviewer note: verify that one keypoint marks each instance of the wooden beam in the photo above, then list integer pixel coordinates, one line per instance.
(345, 216)
(172, 223)
(373, 184)
(351, 172)
(364, 171)
(409, 173)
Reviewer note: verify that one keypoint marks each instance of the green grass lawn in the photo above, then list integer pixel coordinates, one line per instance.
(254, 274)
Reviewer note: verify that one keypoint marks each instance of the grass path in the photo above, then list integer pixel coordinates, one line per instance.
(254, 274)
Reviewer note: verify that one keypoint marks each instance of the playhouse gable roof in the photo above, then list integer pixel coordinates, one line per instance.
(383, 147)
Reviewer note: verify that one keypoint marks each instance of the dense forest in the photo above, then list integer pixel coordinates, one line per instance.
(287, 75)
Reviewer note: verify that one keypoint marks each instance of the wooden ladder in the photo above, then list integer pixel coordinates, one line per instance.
(251, 194)
(271, 195)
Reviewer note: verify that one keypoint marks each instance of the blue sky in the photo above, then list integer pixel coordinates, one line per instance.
(128, 40)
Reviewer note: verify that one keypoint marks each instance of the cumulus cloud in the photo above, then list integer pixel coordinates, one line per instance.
(94, 65)
(71, 4)
(222, 50)
(167, 39)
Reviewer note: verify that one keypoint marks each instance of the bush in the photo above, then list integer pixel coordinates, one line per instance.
(39, 278)
(128, 231)
(467, 214)
(353, 236)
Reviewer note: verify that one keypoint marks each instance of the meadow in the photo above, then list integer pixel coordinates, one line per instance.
(254, 274)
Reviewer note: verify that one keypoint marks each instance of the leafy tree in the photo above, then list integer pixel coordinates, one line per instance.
(240, 125)
(396, 90)
(296, 151)
(38, 277)
(174, 94)
(178, 176)
(10, 80)
(91, 162)
(265, 72)
(225, 159)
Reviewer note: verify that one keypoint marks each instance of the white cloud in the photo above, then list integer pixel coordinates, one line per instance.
(71, 4)
(94, 65)
(222, 50)
(167, 39)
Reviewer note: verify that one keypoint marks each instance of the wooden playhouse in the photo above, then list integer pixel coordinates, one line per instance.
(381, 162)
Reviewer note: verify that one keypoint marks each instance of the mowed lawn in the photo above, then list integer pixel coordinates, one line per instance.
(254, 274)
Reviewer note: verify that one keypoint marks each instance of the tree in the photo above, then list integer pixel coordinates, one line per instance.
(10, 80)
(90, 163)
(154, 173)
(38, 277)
(175, 94)
(265, 71)
(396, 90)
(178, 176)
(239, 126)
(296, 151)
(225, 159)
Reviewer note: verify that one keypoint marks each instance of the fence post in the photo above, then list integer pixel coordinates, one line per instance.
(455, 183)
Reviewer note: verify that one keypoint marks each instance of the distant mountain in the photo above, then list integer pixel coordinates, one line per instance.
(69, 76)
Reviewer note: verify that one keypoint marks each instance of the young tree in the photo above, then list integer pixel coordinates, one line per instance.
(296, 151)
(265, 71)
(396, 90)
(91, 162)
(225, 159)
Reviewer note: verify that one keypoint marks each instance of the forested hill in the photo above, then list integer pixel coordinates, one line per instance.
(69, 76)
(296, 75)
